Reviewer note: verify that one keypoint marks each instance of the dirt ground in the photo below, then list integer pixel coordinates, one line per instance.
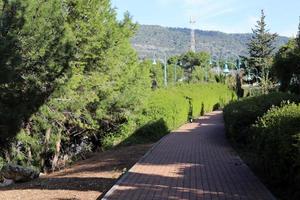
(87, 179)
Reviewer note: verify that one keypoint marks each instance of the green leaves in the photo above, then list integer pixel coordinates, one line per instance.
(287, 68)
(248, 110)
(266, 130)
(32, 57)
(166, 109)
(195, 66)
(276, 145)
(261, 46)
(66, 65)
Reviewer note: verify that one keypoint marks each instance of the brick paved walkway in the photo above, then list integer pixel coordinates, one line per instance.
(194, 162)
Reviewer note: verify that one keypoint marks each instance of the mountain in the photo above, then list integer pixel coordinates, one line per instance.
(152, 39)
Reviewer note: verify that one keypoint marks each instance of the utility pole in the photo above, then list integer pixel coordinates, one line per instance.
(165, 63)
(165, 71)
(193, 40)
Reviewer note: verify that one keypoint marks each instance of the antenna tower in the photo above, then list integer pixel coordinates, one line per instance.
(193, 40)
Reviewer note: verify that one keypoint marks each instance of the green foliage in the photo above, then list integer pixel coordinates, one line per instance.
(175, 73)
(2, 163)
(240, 115)
(298, 35)
(261, 46)
(194, 67)
(287, 68)
(199, 75)
(276, 148)
(266, 130)
(70, 83)
(191, 59)
(68, 67)
(220, 78)
(156, 73)
(32, 58)
(169, 108)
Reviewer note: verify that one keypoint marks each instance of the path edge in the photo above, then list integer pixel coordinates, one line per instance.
(123, 176)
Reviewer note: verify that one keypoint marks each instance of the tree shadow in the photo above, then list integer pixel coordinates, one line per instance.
(187, 184)
(98, 173)
(116, 159)
(150, 132)
(193, 176)
(195, 162)
(65, 183)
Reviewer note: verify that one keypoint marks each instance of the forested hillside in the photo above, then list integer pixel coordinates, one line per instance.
(151, 38)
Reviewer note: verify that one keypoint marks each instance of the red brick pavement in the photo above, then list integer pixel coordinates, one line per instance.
(195, 162)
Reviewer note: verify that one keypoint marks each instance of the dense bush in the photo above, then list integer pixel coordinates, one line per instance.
(166, 109)
(156, 113)
(240, 115)
(266, 130)
(276, 148)
(276, 145)
(68, 77)
(71, 83)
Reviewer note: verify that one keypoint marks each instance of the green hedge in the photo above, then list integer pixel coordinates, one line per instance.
(276, 148)
(167, 109)
(266, 131)
(240, 115)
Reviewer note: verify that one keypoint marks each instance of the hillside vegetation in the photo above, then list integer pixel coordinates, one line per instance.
(150, 39)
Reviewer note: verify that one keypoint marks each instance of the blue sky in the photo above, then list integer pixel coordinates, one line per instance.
(230, 16)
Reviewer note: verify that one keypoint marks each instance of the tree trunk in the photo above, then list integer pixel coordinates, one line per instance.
(45, 149)
(57, 152)
(7, 156)
(29, 156)
(28, 148)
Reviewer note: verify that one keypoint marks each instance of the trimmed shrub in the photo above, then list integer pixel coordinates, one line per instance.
(276, 148)
(240, 115)
(173, 106)
(169, 108)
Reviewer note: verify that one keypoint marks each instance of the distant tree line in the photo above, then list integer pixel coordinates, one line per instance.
(176, 41)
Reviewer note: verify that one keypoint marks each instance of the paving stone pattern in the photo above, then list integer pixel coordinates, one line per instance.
(193, 163)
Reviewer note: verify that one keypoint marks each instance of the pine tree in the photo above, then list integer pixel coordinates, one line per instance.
(68, 72)
(261, 46)
(32, 53)
(298, 36)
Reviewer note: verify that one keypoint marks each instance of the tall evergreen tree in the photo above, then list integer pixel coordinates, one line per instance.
(32, 53)
(261, 46)
(298, 35)
(68, 73)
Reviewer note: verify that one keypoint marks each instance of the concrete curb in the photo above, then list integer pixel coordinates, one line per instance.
(123, 177)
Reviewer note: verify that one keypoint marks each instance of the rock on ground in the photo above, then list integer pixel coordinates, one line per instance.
(18, 173)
